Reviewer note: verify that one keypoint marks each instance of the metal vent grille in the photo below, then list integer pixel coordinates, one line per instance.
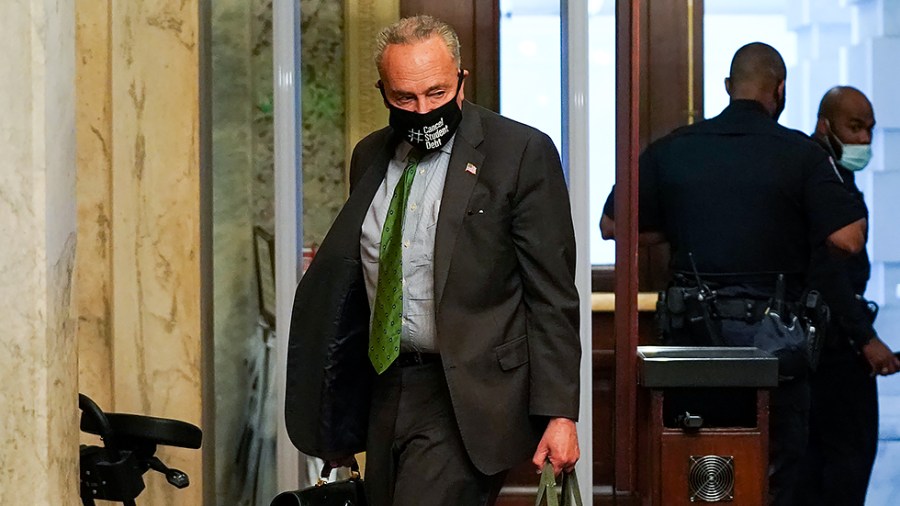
(711, 478)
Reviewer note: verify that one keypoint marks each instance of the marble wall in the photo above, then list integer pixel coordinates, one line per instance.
(137, 269)
(243, 185)
(322, 102)
(93, 300)
(364, 108)
(138, 265)
(263, 125)
(38, 363)
(156, 224)
(237, 207)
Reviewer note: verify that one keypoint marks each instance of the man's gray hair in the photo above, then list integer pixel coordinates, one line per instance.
(416, 29)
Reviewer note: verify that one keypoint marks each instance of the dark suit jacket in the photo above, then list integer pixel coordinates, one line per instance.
(505, 300)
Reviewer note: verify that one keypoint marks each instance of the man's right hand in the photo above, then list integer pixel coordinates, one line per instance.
(880, 358)
(342, 462)
(559, 445)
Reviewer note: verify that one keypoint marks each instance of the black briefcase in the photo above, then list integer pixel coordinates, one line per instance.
(350, 492)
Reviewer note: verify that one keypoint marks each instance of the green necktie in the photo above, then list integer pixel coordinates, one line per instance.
(384, 339)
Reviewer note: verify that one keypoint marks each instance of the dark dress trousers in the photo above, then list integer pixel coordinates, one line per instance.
(506, 306)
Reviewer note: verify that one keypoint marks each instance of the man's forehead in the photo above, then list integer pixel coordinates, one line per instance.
(855, 106)
(432, 82)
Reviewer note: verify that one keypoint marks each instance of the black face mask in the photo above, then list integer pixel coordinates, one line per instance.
(429, 131)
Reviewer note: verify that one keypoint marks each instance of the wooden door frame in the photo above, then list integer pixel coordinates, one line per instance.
(659, 87)
(477, 25)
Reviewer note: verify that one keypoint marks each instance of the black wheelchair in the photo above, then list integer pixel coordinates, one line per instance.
(114, 471)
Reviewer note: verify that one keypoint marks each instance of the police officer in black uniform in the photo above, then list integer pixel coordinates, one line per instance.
(742, 201)
(843, 419)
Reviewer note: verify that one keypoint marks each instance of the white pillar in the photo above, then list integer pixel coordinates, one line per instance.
(288, 214)
(576, 156)
(38, 361)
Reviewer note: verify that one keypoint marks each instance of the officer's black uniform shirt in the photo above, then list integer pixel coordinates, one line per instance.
(744, 194)
(841, 279)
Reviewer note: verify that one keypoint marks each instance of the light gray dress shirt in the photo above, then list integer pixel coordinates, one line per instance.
(419, 225)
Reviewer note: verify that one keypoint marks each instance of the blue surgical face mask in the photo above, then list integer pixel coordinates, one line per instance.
(855, 157)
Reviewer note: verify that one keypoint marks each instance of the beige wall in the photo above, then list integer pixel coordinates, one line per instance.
(38, 426)
(365, 110)
(93, 274)
(138, 259)
(138, 265)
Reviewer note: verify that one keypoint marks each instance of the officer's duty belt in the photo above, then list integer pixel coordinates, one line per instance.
(749, 310)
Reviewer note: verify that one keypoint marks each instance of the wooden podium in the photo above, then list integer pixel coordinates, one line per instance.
(703, 425)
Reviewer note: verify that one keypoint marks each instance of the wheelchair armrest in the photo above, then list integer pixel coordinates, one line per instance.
(137, 429)
(92, 415)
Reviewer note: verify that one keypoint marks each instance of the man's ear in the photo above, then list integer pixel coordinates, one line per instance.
(461, 96)
(822, 127)
(380, 85)
(781, 89)
(728, 86)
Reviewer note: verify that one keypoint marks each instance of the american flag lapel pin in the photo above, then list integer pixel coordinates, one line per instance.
(471, 169)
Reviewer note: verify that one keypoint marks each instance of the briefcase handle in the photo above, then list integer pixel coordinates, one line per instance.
(327, 468)
(571, 494)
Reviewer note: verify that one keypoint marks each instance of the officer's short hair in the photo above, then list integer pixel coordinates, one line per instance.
(757, 62)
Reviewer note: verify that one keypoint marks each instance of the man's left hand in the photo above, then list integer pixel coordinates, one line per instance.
(559, 444)
(880, 358)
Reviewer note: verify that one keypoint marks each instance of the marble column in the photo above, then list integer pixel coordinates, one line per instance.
(323, 103)
(234, 282)
(38, 361)
(93, 298)
(138, 272)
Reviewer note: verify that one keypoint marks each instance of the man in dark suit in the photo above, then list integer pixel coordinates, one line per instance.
(438, 324)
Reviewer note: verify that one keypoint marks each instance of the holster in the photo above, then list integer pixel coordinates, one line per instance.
(816, 318)
(683, 320)
(669, 311)
(797, 336)
(871, 308)
(787, 340)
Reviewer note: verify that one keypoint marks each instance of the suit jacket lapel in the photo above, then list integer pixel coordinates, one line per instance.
(458, 188)
(368, 183)
(348, 225)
